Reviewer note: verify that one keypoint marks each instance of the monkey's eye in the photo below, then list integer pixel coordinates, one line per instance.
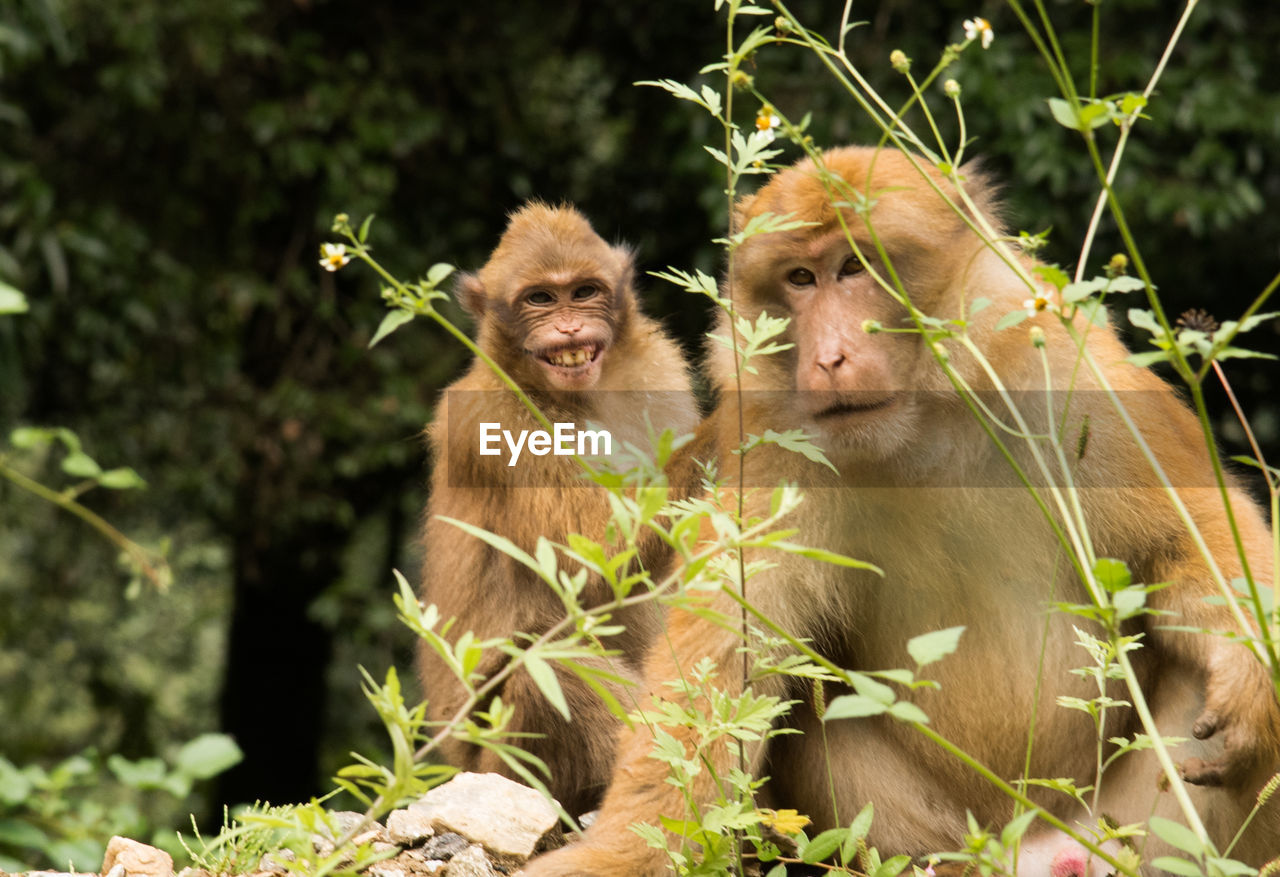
(584, 292)
(800, 277)
(541, 297)
(851, 266)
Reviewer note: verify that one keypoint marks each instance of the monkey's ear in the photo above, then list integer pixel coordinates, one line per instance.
(626, 264)
(983, 187)
(470, 294)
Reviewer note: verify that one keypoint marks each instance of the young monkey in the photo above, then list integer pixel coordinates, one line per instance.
(555, 307)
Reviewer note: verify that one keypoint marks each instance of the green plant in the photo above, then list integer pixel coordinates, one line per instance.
(61, 817)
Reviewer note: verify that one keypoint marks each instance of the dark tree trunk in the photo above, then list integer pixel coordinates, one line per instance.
(273, 696)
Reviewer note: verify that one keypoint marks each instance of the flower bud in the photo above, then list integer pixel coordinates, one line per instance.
(1037, 337)
(941, 352)
(871, 327)
(899, 60)
(1118, 266)
(951, 89)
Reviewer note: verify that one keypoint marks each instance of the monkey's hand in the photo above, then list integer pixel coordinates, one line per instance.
(1241, 712)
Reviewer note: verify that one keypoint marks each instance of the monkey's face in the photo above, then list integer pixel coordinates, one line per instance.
(568, 330)
(853, 387)
(861, 386)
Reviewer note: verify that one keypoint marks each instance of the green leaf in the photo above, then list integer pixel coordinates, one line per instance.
(11, 300)
(363, 234)
(1177, 866)
(15, 785)
(858, 829)
(1112, 574)
(501, 543)
(438, 272)
(822, 846)
(1074, 292)
(145, 773)
(1012, 319)
(1064, 113)
(1146, 360)
(208, 755)
(81, 465)
(123, 478)
(1014, 831)
(906, 711)
(853, 706)
(930, 647)
(1176, 835)
(1125, 283)
(545, 555)
(27, 437)
(892, 867)
(1144, 319)
(545, 678)
(16, 833)
(392, 321)
(823, 556)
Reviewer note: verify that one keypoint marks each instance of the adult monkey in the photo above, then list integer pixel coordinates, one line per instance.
(556, 308)
(924, 494)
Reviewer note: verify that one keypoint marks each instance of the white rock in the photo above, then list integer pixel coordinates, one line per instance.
(471, 862)
(137, 859)
(505, 817)
(406, 827)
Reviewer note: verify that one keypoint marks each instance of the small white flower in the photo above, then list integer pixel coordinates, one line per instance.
(975, 27)
(766, 123)
(1042, 302)
(333, 256)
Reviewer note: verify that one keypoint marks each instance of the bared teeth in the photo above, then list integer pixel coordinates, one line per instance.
(570, 358)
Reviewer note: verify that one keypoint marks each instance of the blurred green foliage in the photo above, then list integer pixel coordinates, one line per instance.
(169, 167)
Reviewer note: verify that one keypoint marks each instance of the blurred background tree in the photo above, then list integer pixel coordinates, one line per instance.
(169, 167)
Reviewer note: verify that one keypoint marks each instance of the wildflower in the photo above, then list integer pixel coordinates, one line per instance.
(979, 27)
(1041, 302)
(766, 122)
(899, 61)
(1118, 265)
(1198, 320)
(951, 89)
(784, 821)
(333, 256)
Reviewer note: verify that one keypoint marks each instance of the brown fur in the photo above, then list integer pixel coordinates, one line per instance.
(641, 371)
(924, 495)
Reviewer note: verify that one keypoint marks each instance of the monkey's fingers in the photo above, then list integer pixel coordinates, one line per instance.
(1206, 725)
(1199, 772)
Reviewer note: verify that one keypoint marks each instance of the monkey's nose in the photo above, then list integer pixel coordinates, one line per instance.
(831, 361)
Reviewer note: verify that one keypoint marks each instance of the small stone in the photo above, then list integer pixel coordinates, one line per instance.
(137, 859)
(276, 862)
(384, 870)
(505, 817)
(471, 862)
(444, 847)
(407, 827)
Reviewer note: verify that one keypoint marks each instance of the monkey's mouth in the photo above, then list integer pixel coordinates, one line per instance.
(573, 357)
(854, 407)
(575, 367)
